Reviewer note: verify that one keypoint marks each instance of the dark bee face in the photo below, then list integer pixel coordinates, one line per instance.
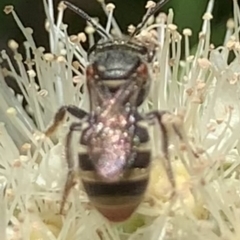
(117, 60)
(113, 63)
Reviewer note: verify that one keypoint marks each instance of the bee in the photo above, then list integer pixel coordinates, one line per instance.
(114, 165)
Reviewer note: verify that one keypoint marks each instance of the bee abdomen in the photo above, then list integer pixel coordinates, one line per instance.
(118, 200)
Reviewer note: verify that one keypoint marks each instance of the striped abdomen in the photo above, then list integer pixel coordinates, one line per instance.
(117, 200)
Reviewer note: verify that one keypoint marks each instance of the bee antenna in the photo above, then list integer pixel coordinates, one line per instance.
(151, 12)
(86, 17)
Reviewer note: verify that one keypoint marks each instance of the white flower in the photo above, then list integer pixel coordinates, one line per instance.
(203, 89)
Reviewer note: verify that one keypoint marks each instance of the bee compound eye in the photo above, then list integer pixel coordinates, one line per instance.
(142, 70)
(90, 71)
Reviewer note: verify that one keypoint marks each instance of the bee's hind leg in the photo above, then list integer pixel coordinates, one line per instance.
(165, 144)
(70, 181)
(177, 128)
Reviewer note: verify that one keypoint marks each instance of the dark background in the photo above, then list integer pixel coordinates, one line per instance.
(188, 13)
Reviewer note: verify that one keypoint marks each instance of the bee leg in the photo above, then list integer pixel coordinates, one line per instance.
(165, 143)
(182, 137)
(70, 163)
(70, 183)
(60, 116)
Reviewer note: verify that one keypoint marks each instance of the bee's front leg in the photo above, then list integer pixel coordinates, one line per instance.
(60, 117)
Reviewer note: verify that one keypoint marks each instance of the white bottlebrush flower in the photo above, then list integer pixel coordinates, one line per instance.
(203, 90)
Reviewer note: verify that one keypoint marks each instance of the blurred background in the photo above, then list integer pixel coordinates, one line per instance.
(188, 13)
